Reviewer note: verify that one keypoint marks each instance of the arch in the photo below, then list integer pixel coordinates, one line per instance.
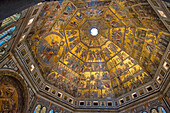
(13, 92)
(161, 110)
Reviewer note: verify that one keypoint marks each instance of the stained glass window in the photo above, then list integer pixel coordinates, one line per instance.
(51, 111)
(6, 35)
(10, 20)
(37, 109)
(144, 112)
(154, 111)
(43, 110)
(161, 110)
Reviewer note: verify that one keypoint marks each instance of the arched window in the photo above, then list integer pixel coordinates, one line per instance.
(4, 38)
(154, 111)
(51, 111)
(3, 50)
(8, 21)
(43, 110)
(6, 35)
(144, 112)
(37, 109)
(161, 110)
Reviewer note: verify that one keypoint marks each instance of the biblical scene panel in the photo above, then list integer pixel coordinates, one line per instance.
(124, 53)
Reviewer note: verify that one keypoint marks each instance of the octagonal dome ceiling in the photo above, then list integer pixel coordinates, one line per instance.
(123, 56)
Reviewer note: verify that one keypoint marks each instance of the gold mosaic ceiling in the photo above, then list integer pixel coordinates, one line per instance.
(123, 56)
